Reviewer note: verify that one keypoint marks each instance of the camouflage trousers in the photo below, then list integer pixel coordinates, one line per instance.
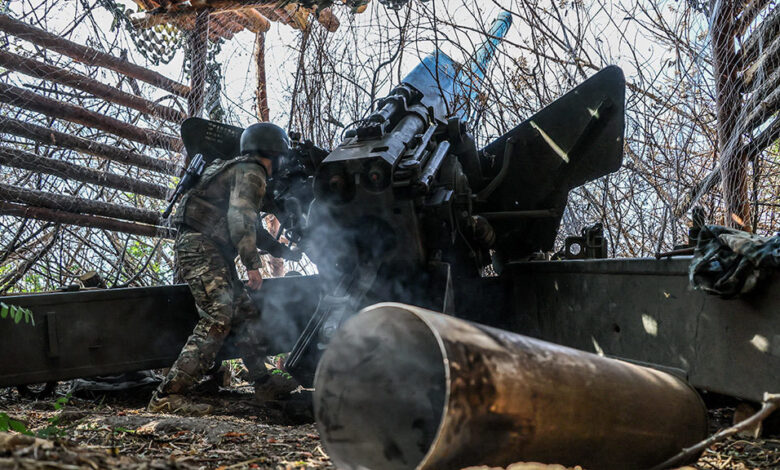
(223, 304)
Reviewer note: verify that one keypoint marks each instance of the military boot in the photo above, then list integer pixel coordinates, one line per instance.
(177, 404)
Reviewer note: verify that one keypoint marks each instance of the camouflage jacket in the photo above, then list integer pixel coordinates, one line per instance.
(224, 205)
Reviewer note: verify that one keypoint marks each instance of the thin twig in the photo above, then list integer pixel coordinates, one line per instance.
(768, 406)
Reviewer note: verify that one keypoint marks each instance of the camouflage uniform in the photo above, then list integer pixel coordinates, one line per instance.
(217, 220)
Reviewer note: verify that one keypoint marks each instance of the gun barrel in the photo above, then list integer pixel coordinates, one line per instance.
(403, 387)
(440, 79)
(487, 50)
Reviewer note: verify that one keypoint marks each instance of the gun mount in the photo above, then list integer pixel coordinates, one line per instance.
(408, 209)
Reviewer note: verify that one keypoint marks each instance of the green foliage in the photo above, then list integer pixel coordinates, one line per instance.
(53, 429)
(119, 429)
(61, 402)
(8, 424)
(17, 314)
(139, 250)
(31, 282)
(283, 373)
(278, 361)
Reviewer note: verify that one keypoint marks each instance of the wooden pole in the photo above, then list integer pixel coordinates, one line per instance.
(197, 45)
(88, 55)
(759, 39)
(246, 22)
(54, 201)
(702, 188)
(763, 140)
(749, 13)
(735, 120)
(763, 65)
(217, 30)
(28, 161)
(263, 114)
(262, 89)
(60, 139)
(51, 73)
(59, 110)
(766, 98)
(733, 165)
(227, 22)
(261, 22)
(82, 220)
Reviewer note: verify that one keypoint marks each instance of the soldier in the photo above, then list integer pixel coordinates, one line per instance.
(216, 221)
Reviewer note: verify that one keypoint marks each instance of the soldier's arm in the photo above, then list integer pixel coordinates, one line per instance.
(246, 197)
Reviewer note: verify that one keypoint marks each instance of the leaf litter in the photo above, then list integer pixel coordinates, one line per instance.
(118, 432)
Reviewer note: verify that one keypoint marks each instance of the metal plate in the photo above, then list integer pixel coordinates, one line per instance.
(211, 139)
(644, 310)
(108, 331)
(575, 139)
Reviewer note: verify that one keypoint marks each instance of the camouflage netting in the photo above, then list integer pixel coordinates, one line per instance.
(688, 124)
(729, 262)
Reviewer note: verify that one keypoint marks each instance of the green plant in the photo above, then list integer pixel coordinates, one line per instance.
(53, 429)
(60, 402)
(278, 360)
(283, 373)
(9, 424)
(17, 313)
(119, 429)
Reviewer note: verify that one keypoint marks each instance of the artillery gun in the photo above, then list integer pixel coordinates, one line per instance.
(408, 208)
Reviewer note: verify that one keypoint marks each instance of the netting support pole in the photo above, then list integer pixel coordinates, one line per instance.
(24, 99)
(46, 200)
(84, 220)
(263, 113)
(47, 136)
(198, 51)
(733, 164)
(16, 158)
(88, 55)
(51, 73)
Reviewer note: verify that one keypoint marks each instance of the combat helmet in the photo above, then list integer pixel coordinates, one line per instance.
(269, 140)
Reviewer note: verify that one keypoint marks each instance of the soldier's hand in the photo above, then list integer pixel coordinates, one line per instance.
(255, 279)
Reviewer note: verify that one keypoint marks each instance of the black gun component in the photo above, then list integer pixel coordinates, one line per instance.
(190, 178)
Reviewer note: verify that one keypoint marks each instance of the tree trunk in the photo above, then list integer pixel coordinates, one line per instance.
(263, 113)
(733, 164)
(84, 220)
(197, 45)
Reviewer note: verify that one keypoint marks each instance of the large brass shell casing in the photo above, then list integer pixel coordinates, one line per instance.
(401, 387)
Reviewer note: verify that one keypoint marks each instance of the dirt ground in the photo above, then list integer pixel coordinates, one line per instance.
(117, 432)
